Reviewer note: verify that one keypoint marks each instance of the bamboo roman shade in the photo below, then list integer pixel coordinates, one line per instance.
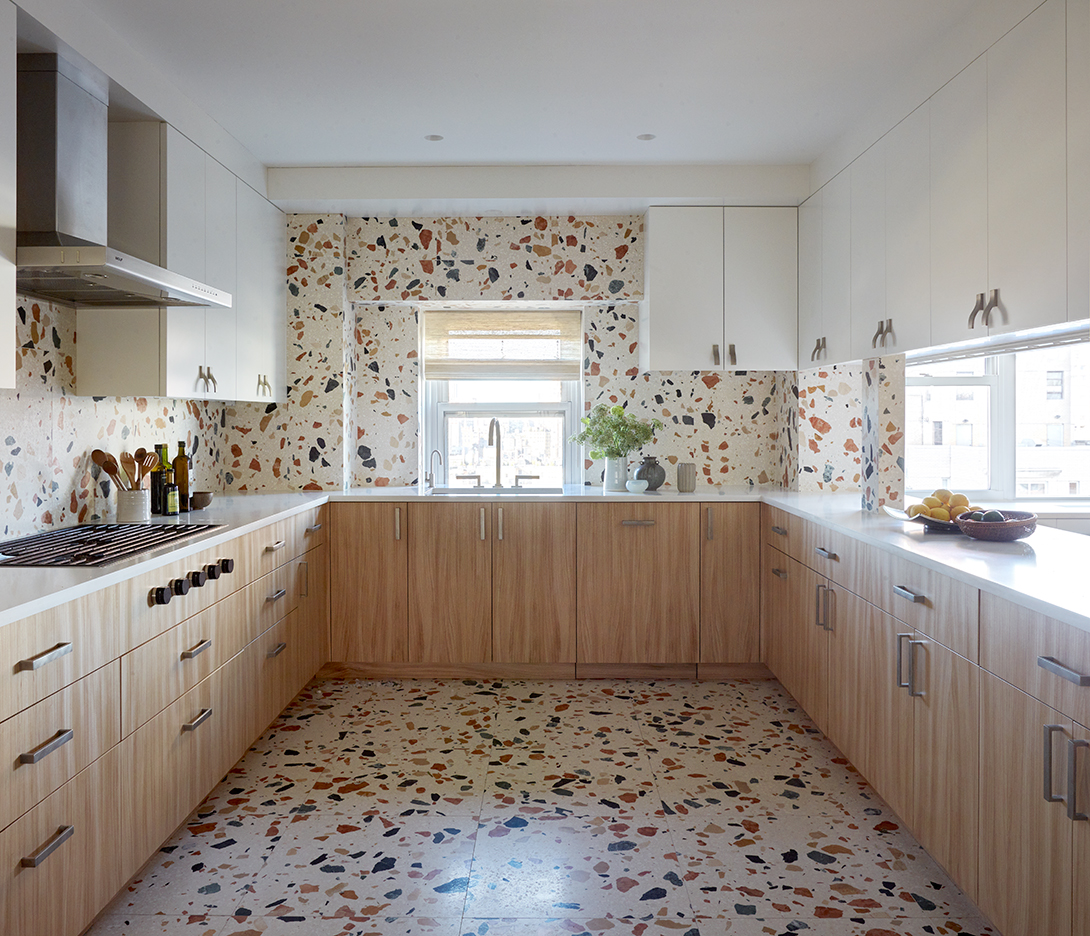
(505, 345)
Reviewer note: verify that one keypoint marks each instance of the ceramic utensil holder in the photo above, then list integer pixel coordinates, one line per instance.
(134, 506)
(686, 478)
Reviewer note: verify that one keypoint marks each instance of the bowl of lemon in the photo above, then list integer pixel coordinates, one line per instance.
(940, 510)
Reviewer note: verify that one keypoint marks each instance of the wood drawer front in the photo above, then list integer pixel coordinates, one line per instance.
(1012, 638)
(66, 732)
(935, 604)
(782, 530)
(311, 529)
(161, 670)
(832, 554)
(63, 893)
(276, 661)
(65, 643)
(264, 550)
(168, 769)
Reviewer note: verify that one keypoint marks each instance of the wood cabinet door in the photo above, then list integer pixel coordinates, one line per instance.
(450, 575)
(314, 608)
(1080, 829)
(1025, 882)
(533, 583)
(870, 713)
(730, 577)
(946, 713)
(368, 580)
(639, 583)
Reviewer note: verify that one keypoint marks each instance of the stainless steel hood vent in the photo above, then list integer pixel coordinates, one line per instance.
(61, 200)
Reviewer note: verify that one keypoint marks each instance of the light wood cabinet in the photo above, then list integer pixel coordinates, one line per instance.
(314, 608)
(1080, 830)
(450, 567)
(533, 583)
(741, 312)
(776, 603)
(74, 835)
(369, 582)
(1025, 841)
(730, 577)
(639, 583)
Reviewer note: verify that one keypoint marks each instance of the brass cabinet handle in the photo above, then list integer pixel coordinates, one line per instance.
(62, 835)
(197, 650)
(977, 309)
(277, 650)
(912, 596)
(273, 547)
(46, 656)
(1055, 666)
(1050, 797)
(201, 718)
(276, 595)
(902, 683)
(1072, 753)
(43, 750)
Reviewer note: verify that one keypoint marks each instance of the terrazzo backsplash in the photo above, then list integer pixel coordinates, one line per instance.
(49, 432)
(356, 288)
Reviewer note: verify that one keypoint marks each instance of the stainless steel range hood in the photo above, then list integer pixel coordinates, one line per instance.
(61, 200)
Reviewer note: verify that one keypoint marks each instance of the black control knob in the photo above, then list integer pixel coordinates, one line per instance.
(227, 565)
(198, 577)
(180, 586)
(212, 570)
(160, 595)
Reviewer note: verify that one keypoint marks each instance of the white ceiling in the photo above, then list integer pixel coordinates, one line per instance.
(361, 82)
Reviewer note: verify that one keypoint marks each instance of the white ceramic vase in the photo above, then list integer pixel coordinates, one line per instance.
(616, 475)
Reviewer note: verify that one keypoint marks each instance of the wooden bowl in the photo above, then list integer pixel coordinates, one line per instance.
(198, 500)
(1015, 525)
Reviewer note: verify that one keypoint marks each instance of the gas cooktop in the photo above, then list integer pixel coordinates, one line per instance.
(95, 544)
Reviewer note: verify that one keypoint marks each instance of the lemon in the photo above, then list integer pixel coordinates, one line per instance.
(932, 501)
(916, 510)
(942, 494)
(940, 513)
(959, 511)
(958, 500)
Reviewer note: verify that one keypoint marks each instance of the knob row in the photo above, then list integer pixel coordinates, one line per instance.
(162, 594)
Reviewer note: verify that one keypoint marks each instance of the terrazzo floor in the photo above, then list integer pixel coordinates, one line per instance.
(514, 808)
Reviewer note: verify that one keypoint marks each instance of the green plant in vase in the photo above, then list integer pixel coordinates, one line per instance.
(612, 433)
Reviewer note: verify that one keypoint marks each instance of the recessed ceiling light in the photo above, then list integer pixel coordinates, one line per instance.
(646, 136)
(433, 138)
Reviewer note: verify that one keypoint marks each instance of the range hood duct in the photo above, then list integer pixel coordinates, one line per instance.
(61, 207)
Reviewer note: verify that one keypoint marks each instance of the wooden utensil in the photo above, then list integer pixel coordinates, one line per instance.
(128, 464)
(114, 471)
(149, 462)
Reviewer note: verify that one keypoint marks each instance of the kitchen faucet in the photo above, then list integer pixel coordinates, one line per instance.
(495, 425)
(429, 478)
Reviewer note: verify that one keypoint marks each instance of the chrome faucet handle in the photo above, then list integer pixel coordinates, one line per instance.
(519, 478)
(475, 477)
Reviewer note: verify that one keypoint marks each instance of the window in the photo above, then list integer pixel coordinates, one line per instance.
(522, 368)
(1002, 426)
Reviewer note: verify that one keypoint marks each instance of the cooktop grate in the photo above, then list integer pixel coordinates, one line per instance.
(95, 544)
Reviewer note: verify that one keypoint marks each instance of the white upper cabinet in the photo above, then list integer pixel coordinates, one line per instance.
(908, 235)
(836, 270)
(8, 339)
(810, 280)
(869, 251)
(1078, 160)
(720, 289)
(261, 299)
(760, 288)
(959, 206)
(1027, 172)
(681, 315)
(220, 265)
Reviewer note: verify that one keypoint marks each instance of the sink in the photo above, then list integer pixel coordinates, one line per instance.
(493, 492)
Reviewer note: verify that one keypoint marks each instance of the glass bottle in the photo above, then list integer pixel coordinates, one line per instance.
(157, 479)
(170, 492)
(182, 465)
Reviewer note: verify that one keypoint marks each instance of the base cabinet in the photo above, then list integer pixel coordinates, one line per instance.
(730, 577)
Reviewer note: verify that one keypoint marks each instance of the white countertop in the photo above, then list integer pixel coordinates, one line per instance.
(1049, 572)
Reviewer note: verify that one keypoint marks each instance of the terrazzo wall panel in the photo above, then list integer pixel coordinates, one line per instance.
(299, 445)
(47, 477)
(883, 381)
(830, 428)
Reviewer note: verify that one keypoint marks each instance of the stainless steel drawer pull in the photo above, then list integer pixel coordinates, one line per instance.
(1055, 666)
(482, 525)
(902, 683)
(273, 547)
(818, 605)
(499, 521)
(61, 738)
(715, 354)
(277, 650)
(62, 835)
(779, 531)
(313, 529)
(825, 553)
(910, 595)
(637, 523)
(780, 573)
(732, 356)
(912, 645)
(1050, 797)
(276, 595)
(711, 531)
(1072, 775)
(197, 650)
(46, 656)
(397, 523)
(204, 715)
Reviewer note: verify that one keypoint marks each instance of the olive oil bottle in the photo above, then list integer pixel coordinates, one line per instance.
(182, 465)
